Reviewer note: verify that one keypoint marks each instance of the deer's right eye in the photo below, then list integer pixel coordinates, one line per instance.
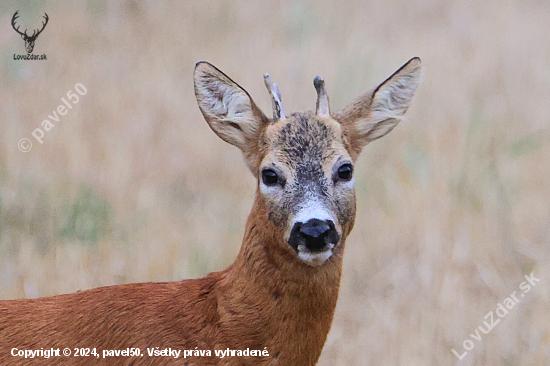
(269, 177)
(345, 172)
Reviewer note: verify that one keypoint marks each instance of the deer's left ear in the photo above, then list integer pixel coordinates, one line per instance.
(374, 114)
(227, 107)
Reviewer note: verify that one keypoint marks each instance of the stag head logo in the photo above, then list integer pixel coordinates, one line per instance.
(29, 40)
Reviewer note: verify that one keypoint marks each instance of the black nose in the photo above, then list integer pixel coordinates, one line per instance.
(314, 234)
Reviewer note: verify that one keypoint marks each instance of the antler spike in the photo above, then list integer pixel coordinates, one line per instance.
(43, 25)
(278, 112)
(322, 107)
(35, 32)
(15, 16)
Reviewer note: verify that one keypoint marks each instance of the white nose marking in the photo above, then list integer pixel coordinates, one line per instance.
(312, 209)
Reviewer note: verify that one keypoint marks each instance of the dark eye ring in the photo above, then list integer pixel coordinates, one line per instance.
(345, 172)
(269, 177)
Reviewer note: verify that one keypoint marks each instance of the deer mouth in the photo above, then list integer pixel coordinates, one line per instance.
(315, 259)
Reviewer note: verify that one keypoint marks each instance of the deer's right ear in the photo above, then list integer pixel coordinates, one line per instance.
(374, 114)
(227, 107)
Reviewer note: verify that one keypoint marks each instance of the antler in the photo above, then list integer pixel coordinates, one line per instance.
(278, 112)
(34, 34)
(322, 107)
(15, 16)
(43, 26)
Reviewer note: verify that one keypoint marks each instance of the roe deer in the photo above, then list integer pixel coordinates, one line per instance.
(278, 297)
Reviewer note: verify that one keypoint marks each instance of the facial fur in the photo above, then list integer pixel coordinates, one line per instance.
(304, 162)
(306, 151)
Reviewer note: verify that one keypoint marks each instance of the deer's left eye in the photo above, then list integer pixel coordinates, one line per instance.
(269, 177)
(345, 172)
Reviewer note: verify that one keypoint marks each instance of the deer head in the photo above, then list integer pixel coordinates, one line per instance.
(29, 40)
(304, 162)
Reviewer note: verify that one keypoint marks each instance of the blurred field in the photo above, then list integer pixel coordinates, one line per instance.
(131, 185)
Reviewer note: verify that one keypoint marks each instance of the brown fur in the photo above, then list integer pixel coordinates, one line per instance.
(264, 299)
(267, 299)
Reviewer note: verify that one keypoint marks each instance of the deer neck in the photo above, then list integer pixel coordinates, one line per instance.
(293, 303)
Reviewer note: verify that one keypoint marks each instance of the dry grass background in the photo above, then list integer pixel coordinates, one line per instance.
(131, 185)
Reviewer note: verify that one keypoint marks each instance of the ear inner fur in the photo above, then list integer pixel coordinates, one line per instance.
(375, 113)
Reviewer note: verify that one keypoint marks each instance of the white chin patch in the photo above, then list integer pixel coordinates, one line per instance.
(314, 259)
